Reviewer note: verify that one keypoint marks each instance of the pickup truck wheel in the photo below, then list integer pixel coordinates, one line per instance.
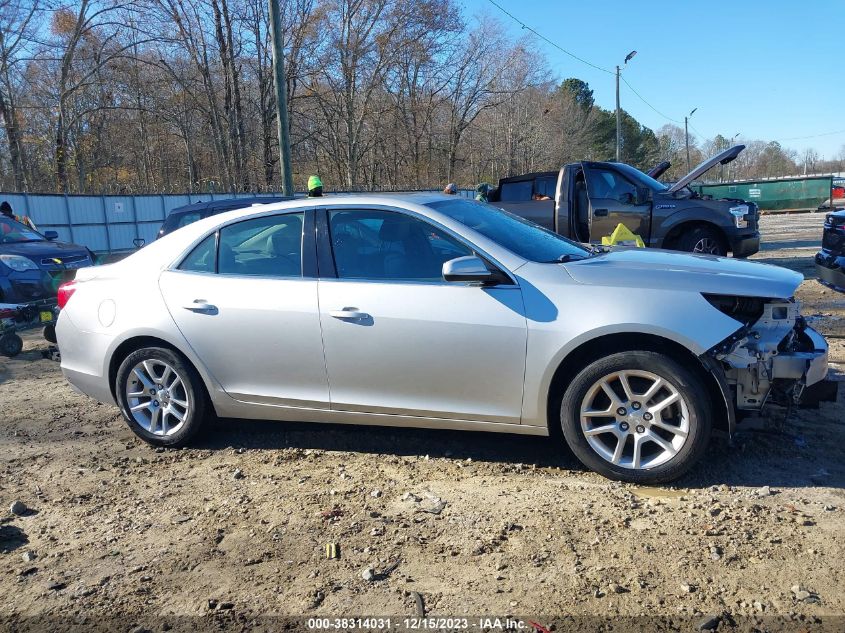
(637, 416)
(702, 239)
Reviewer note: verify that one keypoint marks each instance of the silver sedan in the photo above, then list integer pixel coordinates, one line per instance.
(433, 311)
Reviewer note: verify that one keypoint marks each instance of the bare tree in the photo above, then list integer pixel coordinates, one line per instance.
(16, 26)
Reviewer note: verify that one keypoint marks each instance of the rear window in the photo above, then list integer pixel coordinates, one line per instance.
(546, 186)
(516, 191)
(178, 220)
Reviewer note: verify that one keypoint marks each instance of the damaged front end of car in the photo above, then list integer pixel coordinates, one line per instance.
(774, 357)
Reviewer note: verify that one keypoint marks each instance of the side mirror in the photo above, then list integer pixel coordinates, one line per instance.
(469, 268)
(139, 242)
(643, 195)
(51, 235)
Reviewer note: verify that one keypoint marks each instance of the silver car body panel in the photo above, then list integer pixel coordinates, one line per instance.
(275, 321)
(437, 355)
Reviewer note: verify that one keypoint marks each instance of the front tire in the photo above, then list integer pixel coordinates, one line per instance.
(161, 396)
(637, 416)
(702, 240)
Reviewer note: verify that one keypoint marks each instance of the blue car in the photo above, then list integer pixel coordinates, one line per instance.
(32, 265)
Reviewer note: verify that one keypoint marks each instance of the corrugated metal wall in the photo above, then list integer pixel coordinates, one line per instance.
(105, 224)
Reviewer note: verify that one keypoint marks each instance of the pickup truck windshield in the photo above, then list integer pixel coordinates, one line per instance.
(640, 178)
(522, 237)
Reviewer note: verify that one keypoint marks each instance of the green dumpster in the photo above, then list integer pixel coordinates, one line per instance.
(780, 194)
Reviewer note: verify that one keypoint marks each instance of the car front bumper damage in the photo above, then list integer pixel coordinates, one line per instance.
(778, 359)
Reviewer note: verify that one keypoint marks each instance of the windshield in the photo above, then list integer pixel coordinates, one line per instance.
(640, 177)
(520, 236)
(12, 232)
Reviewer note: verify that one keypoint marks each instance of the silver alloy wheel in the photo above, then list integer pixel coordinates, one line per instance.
(635, 419)
(706, 245)
(157, 398)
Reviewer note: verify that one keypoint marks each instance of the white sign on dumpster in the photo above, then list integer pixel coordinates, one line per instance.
(754, 193)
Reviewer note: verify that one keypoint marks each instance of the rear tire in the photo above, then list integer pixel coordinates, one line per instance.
(637, 440)
(161, 396)
(702, 240)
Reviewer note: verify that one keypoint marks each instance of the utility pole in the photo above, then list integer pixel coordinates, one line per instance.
(628, 58)
(281, 98)
(686, 134)
(618, 121)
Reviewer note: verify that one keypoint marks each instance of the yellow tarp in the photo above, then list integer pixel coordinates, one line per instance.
(622, 236)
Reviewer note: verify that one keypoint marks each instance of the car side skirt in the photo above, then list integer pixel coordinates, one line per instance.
(229, 408)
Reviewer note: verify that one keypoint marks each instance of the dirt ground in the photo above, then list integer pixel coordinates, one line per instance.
(234, 529)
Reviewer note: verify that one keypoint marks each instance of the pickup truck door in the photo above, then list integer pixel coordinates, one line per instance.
(613, 200)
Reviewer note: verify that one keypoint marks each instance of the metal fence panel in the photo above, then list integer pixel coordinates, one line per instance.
(148, 230)
(94, 236)
(43, 209)
(149, 208)
(119, 209)
(81, 210)
(121, 236)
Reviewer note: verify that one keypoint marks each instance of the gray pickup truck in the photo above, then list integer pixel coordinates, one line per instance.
(586, 201)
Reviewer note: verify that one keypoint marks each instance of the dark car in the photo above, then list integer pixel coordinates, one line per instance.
(830, 260)
(190, 213)
(32, 265)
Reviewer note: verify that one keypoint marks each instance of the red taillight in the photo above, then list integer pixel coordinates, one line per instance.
(66, 291)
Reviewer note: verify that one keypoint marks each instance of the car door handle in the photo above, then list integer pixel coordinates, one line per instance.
(348, 313)
(600, 213)
(201, 305)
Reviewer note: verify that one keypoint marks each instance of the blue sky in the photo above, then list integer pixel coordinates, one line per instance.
(770, 70)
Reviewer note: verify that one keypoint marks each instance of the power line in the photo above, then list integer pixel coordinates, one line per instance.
(574, 56)
(547, 40)
(668, 118)
(801, 138)
(694, 129)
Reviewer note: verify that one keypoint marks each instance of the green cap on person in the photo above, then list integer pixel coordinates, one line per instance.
(314, 182)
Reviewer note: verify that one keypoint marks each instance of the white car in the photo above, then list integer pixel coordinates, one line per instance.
(433, 311)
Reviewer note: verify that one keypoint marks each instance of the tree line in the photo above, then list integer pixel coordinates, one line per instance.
(137, 96)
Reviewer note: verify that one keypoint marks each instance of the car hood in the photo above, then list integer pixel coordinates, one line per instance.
(36, 251)
(722, 158)
(651, 268)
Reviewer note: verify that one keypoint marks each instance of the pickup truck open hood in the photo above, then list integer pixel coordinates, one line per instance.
(633, 268)
(722, 158)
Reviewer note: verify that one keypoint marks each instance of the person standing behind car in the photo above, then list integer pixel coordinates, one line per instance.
(451, 189)
(315, 187)
(483, 192)
(6, 209)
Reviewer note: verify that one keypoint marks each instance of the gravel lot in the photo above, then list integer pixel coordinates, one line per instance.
(118, 535)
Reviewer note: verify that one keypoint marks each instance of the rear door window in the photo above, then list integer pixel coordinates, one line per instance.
(264, 247)
(202, 258)
(261, 247)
